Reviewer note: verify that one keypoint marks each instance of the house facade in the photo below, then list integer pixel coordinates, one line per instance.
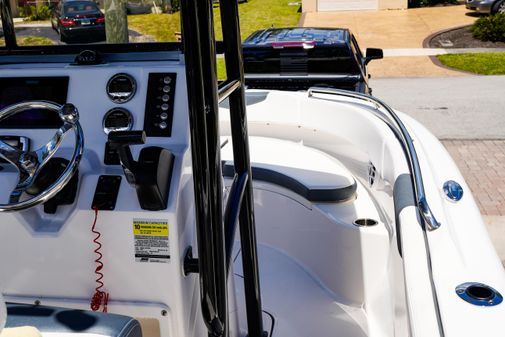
(341, 5)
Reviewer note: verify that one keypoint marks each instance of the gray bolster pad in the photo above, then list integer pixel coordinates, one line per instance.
(60, 320)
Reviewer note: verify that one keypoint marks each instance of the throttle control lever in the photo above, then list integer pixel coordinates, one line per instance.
(151, 174)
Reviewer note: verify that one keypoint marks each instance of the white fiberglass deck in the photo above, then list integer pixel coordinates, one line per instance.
(300, 305)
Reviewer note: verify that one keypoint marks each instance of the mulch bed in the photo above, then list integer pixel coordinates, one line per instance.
(461, 38)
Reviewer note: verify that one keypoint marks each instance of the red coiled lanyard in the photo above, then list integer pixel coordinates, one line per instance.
(100, 297)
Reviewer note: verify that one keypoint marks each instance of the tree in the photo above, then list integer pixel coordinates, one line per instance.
(116, 21)
(14, 8)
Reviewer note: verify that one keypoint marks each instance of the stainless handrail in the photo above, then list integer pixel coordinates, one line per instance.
(225, 89)
(397, 126)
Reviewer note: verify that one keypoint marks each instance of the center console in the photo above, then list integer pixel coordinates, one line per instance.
(136, 174)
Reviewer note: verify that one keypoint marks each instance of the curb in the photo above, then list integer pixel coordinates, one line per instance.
(435, 60)
(426, 41)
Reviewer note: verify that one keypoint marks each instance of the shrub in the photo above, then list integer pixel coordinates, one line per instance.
(490, 28)
(36, 13)
(174, 6)
(429, 3)
(22, 12)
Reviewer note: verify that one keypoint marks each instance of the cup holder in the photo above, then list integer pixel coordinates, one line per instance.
(479, 294)
(364, 222)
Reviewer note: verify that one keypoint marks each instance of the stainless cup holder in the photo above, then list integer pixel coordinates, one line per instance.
(479, 294)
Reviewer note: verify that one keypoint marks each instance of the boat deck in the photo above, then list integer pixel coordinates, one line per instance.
(299, 303)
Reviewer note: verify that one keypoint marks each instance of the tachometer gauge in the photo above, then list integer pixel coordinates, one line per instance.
(117, 119)
(121, 88)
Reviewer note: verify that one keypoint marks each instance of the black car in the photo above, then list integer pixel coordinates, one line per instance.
(78, 21)
(300, 58)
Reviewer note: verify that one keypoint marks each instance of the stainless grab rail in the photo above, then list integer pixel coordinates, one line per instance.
(397, 126)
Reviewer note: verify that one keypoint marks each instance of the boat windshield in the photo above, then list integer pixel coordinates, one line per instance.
(90, 22)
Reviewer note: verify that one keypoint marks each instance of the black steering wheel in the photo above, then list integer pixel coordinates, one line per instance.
(30, 163)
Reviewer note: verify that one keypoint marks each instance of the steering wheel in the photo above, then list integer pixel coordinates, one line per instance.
(30, 163)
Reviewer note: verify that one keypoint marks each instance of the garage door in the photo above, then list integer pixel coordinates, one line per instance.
(346, 5)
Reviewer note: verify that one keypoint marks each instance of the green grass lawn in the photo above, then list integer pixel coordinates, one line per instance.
(160, 26)
(30, 41)
(480, 63)
(260, 14)
(254, 15)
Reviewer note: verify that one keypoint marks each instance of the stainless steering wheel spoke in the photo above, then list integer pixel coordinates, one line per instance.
(10, 153)
(46, 152)
(20, 188)
(30, 163)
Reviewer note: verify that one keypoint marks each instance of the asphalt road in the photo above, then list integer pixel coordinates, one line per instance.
(45, 30)
(466, 107)
(40, 31)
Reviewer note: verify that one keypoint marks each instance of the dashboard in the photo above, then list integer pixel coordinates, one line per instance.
(120, 89)
(109, 98)
(120, 96)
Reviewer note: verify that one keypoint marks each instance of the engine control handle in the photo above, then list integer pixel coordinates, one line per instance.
(122, 138)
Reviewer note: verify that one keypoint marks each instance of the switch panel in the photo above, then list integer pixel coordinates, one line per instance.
(159, 112)
(107, 189)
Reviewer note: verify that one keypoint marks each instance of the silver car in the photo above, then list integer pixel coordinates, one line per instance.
(486, 6)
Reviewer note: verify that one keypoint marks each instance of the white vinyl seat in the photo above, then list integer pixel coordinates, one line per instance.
(313, 174)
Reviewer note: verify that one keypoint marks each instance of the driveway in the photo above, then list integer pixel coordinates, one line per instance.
(394, 29)
(39, 31)
(45, 30)
(448, 106)
(470, 124)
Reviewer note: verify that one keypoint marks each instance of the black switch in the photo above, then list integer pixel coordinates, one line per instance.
(110, 156)
(106, 192)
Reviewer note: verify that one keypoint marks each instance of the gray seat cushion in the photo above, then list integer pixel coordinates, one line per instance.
(61, 320)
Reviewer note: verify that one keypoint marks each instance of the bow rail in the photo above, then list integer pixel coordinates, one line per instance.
(396, 125)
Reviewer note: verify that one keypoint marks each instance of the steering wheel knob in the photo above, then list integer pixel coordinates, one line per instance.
(28, 161)
(69, 113)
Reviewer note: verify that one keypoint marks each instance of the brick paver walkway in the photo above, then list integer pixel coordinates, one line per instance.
(482, 163)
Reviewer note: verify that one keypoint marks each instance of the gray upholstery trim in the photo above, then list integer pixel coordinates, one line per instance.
(314, 195)
(53, 319)
(403, 196)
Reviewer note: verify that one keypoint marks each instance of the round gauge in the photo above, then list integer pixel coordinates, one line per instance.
(117, 119)
(121, 88)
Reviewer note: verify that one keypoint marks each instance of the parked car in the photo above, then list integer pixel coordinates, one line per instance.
(486, 6)
(300, 58)
(78, 21)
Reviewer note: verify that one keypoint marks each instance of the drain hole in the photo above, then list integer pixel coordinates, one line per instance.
(365, 222)
(480, 292)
